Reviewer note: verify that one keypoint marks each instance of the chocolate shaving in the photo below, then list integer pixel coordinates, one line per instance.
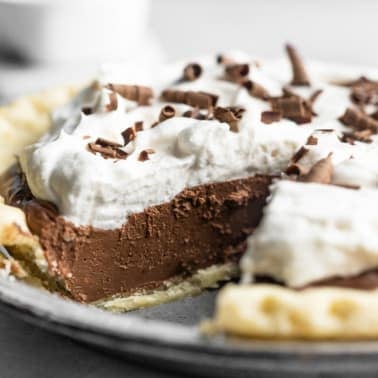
(87, 110)
(325, 130)
(256, 90)
(348, 186)
(113, 104)
(195, 113)
(202, 100)
(321, 172)
(107, 151)
(172, 95)
(222, 59)
(312, 141)
(360, 136)
(270, 116)
(192, 72)
(167, 112)
(236, 73)
(296, 169)
(299, 154)
(128, 135)
(107, 143)
(300, 76)
(315, 95)
(358, 120)
(142, 95)
(364, 91)
(294, 108)
(138, 126)
(288, 92)
(143, 156)
(231, 115)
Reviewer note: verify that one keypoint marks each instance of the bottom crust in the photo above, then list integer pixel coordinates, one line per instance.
(275, 312)
(173, 290)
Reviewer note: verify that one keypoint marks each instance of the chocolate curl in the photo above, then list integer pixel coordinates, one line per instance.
(360, 136)
(256, 90)
(87, 110)
(358, 120)
(167, 112)
(312, 141)
(294, 108)
(321, 172)
(299, 154)
(230, 115)
(364, 91)
(196, 114)
(365, 95)
(270, 116)
(107, 152)
(222, 59)
(202, 100)
(143, 156)
(288, 92)
(236, 73)
(324, 131)
(172, 95)
(348, 186)
(192, 72)
(300, 76)
(315, 96)
(296, 170)
(107, 143)
(128, 135)
(113, 104)
(142, 95)
(138, 126)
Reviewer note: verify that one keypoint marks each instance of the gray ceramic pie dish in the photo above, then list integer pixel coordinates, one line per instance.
(167, 337)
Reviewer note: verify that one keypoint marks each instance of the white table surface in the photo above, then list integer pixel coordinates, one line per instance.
(323, 29)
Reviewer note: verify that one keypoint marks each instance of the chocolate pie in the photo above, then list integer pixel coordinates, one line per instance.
(154, 190)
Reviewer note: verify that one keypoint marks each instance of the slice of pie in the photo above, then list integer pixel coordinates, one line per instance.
(147, 186)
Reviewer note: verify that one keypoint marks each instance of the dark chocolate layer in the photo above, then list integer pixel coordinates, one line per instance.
(367, 280)
(200, 227)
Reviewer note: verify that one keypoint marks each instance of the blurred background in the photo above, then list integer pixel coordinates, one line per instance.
(49, 42)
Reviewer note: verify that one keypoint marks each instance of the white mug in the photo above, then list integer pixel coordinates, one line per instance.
(49, 31)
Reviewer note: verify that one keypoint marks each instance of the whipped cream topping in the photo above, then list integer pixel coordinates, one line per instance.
(91, 190)
(311, 232)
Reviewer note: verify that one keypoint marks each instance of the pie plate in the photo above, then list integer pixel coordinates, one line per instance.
(168, 337)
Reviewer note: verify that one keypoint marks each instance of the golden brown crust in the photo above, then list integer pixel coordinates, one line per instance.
(26, 119)
(275, 312)
(173, 289)
(17, 240)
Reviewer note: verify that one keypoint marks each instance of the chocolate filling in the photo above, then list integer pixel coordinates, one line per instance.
(201, 226)
(367, 280)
